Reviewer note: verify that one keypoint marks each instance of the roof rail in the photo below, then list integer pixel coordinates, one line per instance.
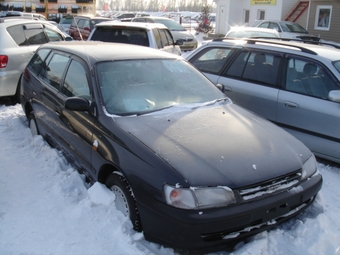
(279, 42)
(270, 40)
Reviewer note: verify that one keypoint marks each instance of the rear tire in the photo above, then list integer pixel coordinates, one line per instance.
(125, 200)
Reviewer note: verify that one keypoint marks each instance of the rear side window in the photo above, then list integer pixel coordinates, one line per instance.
(164, 38)
(55, 69)
(17, 33)
(38, 61)
(158, 38)
(213, 59)
(35, 34)
(256, 66)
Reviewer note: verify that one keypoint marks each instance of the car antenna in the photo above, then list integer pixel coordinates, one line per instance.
(78, 28)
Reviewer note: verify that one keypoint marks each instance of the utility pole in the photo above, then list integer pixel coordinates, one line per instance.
(46, 9)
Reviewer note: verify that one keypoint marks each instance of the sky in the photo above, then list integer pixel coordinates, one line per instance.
(46, 208)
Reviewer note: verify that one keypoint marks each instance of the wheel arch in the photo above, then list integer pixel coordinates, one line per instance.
(105, 171)
(28, 109)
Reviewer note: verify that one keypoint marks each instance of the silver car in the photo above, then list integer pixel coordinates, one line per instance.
(286, 29)
(177, 30)
(295, 85)
(19, 40)
(152, 35)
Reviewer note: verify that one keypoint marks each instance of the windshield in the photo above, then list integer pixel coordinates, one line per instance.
(134, 87)
(171, 25)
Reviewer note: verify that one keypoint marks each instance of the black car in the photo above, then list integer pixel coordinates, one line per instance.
(191, 169)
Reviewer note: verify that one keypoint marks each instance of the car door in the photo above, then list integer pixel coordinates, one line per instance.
(304, 108)
(76, 127)
(249, 78)
(45, 89)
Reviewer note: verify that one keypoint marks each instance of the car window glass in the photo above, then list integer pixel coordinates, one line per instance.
(55, 69)
(213, 59)
(264, 25)
(164, 39)
(308, 78)
(128, 88)
(86, 24)
(157, 38)
(37, 60)
(168, 35)
(274, 25)
(74, 22)
(81, 23)
(262, 68)
(237, 66)
(35, 36)
(76, 83)
(17, 34)
(53, 36)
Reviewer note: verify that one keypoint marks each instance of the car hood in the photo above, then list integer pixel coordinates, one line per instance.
(182, 35)
(221, 145)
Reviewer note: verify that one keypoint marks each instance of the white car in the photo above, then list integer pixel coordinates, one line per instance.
(152, 35)
(286, 29)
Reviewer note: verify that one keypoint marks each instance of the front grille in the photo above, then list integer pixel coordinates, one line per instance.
(257, 225)
(271, 186)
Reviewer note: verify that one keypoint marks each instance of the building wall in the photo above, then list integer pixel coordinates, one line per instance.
(53, 7)
(235, 9)
(332, 33)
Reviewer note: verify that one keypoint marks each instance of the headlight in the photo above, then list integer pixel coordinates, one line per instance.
(198, 198)
(309, 167)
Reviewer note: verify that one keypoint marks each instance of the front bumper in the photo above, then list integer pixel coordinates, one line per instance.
(215, 229)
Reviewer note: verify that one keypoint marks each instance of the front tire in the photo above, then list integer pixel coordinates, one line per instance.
(125, 200)
(32, 123)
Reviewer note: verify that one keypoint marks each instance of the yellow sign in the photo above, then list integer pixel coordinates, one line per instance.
(263, 2)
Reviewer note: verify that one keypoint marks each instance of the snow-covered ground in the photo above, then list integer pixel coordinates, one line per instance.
(47, 208)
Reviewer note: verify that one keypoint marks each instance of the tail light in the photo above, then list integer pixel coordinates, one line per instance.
(3, 61)
(26, 74)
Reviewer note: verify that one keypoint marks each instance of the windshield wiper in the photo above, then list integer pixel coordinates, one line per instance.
(210, 103)
(154, 110)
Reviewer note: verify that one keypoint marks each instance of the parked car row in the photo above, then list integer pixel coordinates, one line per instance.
(181, 142)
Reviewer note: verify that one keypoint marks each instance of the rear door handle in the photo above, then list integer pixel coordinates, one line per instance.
(291, 104)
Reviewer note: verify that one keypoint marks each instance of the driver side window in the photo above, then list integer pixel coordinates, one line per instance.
(76, 83)
(309, 78)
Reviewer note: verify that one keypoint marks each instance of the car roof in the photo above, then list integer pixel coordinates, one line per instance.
(131, 24)
(255, 29)
(22, 21)
(326, 52)
(96, 51)
(91, 17)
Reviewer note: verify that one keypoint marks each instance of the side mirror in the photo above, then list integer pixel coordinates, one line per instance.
(220, 87)
(179, 42)
(334, 95)
(77, 104)
(87, 29)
